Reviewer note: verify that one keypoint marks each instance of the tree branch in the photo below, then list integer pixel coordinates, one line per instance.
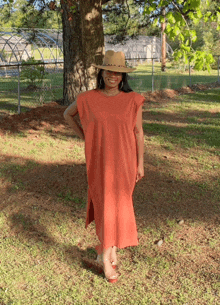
(105, 1)
(116, 1)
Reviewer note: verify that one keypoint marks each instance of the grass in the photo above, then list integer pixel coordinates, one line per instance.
(42, 214)
(47, 53)
(173, 78)
(201, 126)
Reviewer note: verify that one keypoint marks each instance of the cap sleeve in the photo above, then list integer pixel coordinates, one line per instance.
(138, 101)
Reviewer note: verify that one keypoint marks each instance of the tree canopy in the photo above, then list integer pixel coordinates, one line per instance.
(187, 22)
(28, 14)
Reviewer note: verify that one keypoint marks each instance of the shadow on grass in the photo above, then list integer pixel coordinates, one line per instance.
(7, 107)
(186, 116)
(190, 136)
(62, 188)
(30, 234)
(34, 189)
(28, 100)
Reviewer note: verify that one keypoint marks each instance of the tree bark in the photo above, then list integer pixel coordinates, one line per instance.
(83, 44)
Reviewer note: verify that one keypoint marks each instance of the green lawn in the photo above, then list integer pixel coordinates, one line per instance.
(52, 53)
(43, 186)
(173, 78)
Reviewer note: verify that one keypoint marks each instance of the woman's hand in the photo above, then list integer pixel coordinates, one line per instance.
(140, 172)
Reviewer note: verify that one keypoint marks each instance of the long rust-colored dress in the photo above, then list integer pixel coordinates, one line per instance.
(111, 159)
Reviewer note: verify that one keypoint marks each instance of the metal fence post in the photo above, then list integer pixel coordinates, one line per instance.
(152, 75)
(218, 68)
(19, 96)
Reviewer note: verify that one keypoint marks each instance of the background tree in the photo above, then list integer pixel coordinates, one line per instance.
(180, 15)
(205, 29)
(28, 14)
(126, 19)
(207, 33)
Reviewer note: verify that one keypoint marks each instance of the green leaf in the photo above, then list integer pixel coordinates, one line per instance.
(146, 11)
(191, 15)
(176, 30)
(199, 14)
(151, 9)
(170, 18)
(181, 37)
(168, 28)
(155, 22)
(196, 21)
(193, 35)
(194, 4)
(162, 19)
(186, 48)
(161, 3)
(178, 17)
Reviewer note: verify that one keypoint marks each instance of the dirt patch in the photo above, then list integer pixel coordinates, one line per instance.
(161, 95)
(46, 116)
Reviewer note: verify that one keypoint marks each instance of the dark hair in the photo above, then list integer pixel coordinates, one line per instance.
(125, 87)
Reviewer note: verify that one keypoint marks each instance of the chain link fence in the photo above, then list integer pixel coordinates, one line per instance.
(21, 91)
(18, 91)
(149, 77)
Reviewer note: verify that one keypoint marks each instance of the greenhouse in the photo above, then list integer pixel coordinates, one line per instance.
(139, 49)
(17, 45)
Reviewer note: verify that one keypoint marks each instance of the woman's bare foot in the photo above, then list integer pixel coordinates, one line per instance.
(113, 256)
(109, 271)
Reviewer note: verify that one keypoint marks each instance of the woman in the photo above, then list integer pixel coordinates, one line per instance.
(111, 117)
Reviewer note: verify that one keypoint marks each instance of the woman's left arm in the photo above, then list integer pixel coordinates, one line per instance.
(139, 134)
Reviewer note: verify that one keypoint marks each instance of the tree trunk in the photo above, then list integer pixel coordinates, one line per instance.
(83, 44)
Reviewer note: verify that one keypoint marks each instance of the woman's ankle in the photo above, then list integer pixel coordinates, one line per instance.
(107, 253)
(113, 255)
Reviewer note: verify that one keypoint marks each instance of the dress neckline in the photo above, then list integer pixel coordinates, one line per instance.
(108, 96)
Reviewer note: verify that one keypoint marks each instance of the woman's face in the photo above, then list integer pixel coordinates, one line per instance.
(111, 79)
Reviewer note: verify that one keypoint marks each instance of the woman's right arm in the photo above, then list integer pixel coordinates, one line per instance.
(69, 114)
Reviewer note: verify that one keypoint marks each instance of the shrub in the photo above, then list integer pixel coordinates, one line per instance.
(33, 73)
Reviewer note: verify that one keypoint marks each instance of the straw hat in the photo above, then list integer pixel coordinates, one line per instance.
(114, 61)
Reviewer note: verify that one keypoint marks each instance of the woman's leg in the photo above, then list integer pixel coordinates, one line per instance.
(109, 271)
(114, 255)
